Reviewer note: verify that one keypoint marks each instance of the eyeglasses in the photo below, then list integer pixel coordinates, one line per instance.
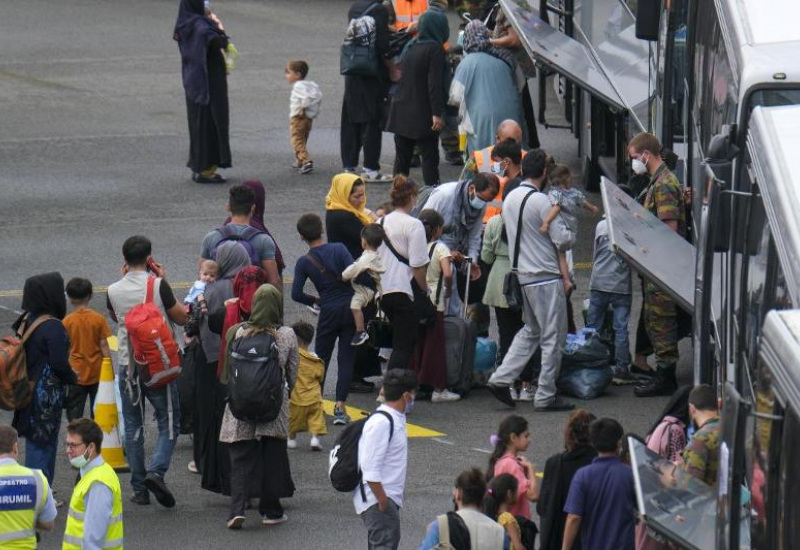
(72, 446)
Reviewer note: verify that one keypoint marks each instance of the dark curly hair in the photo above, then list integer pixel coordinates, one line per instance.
(576, 432)
(403, 191)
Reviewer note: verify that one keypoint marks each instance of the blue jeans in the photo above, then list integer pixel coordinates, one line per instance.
(165, 404)
(42, 457)
(621, 304)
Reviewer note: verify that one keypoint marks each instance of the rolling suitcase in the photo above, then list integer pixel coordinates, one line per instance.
(460, 337)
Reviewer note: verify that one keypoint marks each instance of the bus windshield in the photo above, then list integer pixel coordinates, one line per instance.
(775, 98)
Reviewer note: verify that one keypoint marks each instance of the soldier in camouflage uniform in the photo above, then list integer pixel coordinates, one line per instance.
(664, 199)
(701, 457)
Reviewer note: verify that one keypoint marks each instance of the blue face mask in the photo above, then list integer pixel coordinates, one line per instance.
(206, 6)
(477, 203)
(409, 406)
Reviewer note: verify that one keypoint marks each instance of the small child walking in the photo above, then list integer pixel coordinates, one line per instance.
(88, 335)
(305, 402)
(513, 439)
(304, 106)
(369, 262)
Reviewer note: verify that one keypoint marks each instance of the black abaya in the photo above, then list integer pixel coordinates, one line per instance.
(209, 143)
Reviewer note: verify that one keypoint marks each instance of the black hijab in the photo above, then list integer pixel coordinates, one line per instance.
(194, 32)
(44, 294)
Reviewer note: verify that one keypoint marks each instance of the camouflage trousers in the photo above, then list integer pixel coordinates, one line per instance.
(660, 319)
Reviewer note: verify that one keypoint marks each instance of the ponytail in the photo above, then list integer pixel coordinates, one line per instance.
(497, 494)
(511, 425)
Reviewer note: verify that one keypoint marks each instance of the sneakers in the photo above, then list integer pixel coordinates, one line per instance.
(306, 168)
(315, 444)
(444, 396)
(156, 485)
(359, 338)
(235, 523)
(556, 405)
(502, 394)
(621, 376)
(192, 467)
(274, 521)
(375, 176)
(525, 395)
(291, 443)
(142, 499)
(514, 394)
(340, 417)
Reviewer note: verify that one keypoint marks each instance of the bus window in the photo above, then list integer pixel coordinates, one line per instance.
(775, 98)
(754, 283)
(788, 525)
(762, 458)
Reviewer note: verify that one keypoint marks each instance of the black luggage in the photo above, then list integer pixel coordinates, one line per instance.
(460, 337)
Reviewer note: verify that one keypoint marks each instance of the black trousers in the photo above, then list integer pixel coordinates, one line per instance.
(428, 150)
(405, 328)
(357, 135)
(76, 400)
(508, 324)
(530, 118)
(260, 461)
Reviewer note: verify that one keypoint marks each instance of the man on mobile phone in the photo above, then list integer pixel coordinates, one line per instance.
(123, 295)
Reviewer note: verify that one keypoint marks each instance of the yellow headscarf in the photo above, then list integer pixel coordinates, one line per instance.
(338, 197)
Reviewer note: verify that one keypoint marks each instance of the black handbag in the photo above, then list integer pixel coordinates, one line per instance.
(379, 330)
(360, 57)
(512, 290)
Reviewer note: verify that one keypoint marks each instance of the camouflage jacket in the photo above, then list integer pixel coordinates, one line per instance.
(701, 457)
(664, 198)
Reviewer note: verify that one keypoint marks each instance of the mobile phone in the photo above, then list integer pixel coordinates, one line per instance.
(151, 264)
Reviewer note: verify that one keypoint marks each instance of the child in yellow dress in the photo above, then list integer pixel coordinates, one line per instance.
(501, 494)
(305, 402)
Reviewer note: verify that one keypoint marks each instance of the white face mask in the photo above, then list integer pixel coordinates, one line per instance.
(638, 166)
(80, 461)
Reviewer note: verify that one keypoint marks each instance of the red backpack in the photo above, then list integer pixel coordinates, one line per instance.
(154, 349)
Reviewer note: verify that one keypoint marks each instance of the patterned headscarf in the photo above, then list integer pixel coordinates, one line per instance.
(476, 37)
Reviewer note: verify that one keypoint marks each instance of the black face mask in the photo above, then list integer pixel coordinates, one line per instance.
(455, 505)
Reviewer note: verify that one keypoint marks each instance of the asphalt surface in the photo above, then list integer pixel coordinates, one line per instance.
(92, 150)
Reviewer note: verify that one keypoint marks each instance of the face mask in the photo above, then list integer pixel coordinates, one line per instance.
(80, 461)
(409, 406)
(477, 203)
(638, 166)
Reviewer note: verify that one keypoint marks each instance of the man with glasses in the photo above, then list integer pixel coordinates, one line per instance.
(95, 509)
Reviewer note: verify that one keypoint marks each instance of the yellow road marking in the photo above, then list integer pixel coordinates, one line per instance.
(355, 414)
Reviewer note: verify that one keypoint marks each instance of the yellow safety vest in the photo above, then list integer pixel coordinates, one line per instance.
(73, 536)
(23, 494)
(408, 11)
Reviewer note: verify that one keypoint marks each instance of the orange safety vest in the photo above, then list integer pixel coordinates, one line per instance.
(408, 11)
(483, 160)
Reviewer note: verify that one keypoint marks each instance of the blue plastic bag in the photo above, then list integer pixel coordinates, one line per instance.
(485, 354)
(584, 382)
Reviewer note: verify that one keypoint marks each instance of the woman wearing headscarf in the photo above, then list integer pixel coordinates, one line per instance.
(415, 115)
(47, 363)
(483, 88)
(257, 219)
(346, 214)
(258, 449)
(210, 458)
(201, 39)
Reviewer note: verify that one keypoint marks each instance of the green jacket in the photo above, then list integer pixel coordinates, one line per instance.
(495, 253)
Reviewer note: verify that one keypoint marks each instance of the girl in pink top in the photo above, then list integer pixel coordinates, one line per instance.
(512, 439)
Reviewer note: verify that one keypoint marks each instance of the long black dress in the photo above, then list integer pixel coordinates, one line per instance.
(209, 143)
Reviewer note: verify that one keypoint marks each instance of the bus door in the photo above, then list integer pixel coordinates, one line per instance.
(652, 248)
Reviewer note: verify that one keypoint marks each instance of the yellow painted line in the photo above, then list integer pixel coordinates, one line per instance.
(581, 266)
(355, 414)
(182, 285)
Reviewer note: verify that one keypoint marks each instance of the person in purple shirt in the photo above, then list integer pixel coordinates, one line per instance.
(601, 497)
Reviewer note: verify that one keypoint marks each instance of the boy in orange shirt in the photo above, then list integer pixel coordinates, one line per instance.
(88, 335)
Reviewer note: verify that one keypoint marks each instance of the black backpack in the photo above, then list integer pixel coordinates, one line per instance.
(343, 467)
(229, 233)
(256, 386)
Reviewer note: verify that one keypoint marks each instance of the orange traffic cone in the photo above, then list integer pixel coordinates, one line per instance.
(105, 414)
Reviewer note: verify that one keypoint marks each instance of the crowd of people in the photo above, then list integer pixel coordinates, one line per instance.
(225, 367)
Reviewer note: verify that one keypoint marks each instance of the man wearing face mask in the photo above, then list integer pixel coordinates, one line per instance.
(664, 199)
(383, 460)
(507, 157)
(462, 205)
(95, 509)
(481, 161)
(26, 501)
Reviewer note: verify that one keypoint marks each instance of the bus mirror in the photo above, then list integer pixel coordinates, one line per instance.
(648, 16)
(720, 173)
(723, 145)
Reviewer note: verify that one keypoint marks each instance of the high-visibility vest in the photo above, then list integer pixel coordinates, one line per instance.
(408, 11)
(73, 536)
(483, 160)
(495, 207)
(23, 494)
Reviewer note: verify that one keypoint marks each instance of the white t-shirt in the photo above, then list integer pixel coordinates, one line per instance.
(440, 252)
(381, 459)
(407, 235)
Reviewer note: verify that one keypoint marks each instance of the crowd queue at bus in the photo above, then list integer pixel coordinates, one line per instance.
(408, 258)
